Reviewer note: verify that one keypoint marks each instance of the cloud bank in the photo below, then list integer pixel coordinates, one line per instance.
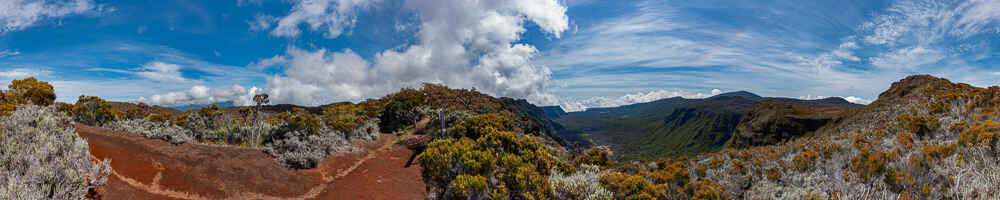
(640, 97)
(204, 95)
(685, 44)
(459, 43)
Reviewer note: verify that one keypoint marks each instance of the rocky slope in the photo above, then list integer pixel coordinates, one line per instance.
(773, 122)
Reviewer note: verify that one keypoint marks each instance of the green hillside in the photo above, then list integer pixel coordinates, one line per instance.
(667, 127)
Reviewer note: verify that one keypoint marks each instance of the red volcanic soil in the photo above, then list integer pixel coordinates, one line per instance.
(154, 169)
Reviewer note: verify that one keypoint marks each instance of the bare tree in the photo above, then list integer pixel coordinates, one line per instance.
(260, 99)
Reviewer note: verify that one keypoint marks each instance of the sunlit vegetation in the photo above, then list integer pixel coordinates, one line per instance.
(26, 91)
(41, 155)
(517, 165)
(925, 138)
(595, 157)
(93, 110)
(480, 125)
(632, 186)
(404, 108)
(985, 134)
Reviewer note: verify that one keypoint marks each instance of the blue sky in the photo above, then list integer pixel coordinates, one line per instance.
(573, 53)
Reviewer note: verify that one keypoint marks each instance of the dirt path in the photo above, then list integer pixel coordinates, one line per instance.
(154, 169)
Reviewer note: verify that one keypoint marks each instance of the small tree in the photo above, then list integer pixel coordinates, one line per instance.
(30, 90)
(26, 91)
(261, 99)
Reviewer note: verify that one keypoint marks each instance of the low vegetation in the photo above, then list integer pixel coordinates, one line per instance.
(925, 138)
(43, 158)
(486, 160)
(925, 143)
(584, 184)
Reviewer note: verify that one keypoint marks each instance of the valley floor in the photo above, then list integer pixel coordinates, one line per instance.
(154, 169)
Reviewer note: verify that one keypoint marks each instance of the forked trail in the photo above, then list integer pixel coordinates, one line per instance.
(154, 169)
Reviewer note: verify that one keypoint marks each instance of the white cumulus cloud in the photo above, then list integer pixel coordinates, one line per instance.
(334, 16)
(204, 95)
(459, 43)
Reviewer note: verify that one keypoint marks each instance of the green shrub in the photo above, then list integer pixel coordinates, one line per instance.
(632, 186)
(93, 110)
(519, 164)
(594, 156)
(673, 173)
(870, 163)
(26, 91)
(919, 124)
(476, 126)
(705, 189)
(400, 109)
(985, 133)
(467, 186)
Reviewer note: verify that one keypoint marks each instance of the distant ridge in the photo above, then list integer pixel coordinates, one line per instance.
(198, 106)
(681, 126)
(553, 112)
(741, 93)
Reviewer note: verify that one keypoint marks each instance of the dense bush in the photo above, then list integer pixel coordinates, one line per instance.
(512, 166)
(26, 91)
(596, 157)
(303, 151)
(93, 110)
(250, 134)
(919, 124)
(583, 185)
(354, 119)
(479, 125)
(442, 124)
(152, 129)
(207, 124)
(400, 109)
(985, 134)
(43, 158)
(300, 140)
(632, 186)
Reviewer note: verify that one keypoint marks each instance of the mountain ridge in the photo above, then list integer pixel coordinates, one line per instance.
(669, 126)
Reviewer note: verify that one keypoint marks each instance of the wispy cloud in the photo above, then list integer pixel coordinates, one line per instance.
(680, 45)
(18, 73)
(8, 52)
(21, 14)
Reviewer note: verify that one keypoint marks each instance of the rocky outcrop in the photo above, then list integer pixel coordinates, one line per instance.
(773, 122)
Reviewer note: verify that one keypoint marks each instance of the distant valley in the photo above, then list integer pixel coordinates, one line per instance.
(679, 126)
